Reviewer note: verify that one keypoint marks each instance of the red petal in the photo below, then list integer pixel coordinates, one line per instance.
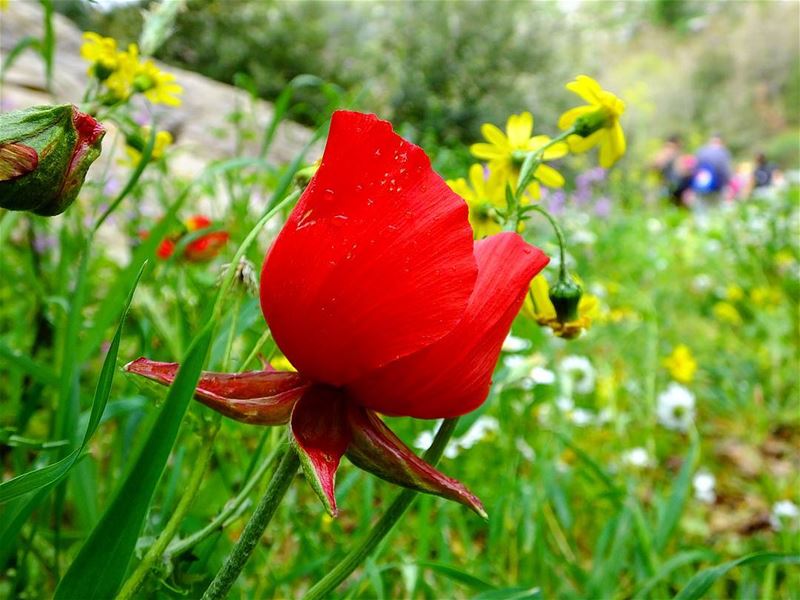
(321, 435)
(257, 397)
(17, 160)
(206, 247)
(376, 449)
(452, 377)
(375, 261)
(165, 248)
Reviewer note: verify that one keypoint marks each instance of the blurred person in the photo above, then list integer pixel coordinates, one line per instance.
(675, 170)
(764, 172)
(713, 172)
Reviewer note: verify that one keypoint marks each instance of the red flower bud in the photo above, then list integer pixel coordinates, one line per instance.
(45, 152)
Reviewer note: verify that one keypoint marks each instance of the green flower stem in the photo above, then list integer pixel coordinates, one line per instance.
(132, 180)
(326, 585)
(255, 527)
(157, 549)
(229, 510)
(526, 174)
(227, 278)
(189, 493)
(562, 268)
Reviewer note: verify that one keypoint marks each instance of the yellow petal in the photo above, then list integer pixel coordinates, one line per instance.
(555, 151)
(618, 140)
(568, 118)
(580, 144)
(519, 129)
(542, 307)
(549, 176)
(476, 179)
(607, 156)
(460, 187)
(494, 136)
(496, 187)
(488, 151)
(587, 88)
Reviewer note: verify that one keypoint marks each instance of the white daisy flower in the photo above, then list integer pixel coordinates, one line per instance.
(785, 515)
(581, 373)
(637, 457)
(704, 484)
(513, 343)
(675, 408)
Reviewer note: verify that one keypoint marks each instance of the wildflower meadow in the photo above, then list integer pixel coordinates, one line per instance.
(295, 308)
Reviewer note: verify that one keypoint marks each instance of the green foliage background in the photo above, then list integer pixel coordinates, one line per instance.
(443, 68)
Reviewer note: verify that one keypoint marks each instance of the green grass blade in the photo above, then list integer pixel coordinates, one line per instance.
(675, 562)
(52, 474)
(512, 593)
(677, 499)
(702, 582)
(28, 366)
(99, 568)
(457, 575)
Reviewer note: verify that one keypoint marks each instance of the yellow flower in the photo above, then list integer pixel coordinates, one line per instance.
(483, 196)
(765, 297)
(784, 258)
(734, 293)
(3, 4)
(120, 82)
(163, 140)
(681, 364)
(280, 363)
(158, 86)
(506, 151)
(725, 311)
(597, 121)
(134, 76)
(538, 306)
(102, 53)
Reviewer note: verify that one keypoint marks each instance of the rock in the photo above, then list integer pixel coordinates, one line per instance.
(196, 124)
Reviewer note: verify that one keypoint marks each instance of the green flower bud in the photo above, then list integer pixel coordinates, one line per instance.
(565, 296)
(304, 176)
(587, 124)
(45, 152)
(143, 83)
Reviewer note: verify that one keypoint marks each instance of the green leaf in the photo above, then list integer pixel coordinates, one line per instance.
(20, 362)
(669, 566)
(52, 474)
(457, 575)
(510, 593)
(99, 568)
(677, 499)
(702, 582)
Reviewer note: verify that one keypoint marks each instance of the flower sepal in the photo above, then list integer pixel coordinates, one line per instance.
(376, 449)
(587, 124)
(264, 397)
(45, 152)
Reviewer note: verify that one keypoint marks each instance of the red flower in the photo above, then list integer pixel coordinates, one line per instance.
(203, 248)
(206, 246)
(376, 292)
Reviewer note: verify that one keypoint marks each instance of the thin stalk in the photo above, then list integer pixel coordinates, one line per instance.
(255, 527)
(227, 278)
(157, 549)
(526, 175)
(166, 536)
(325, 586)
(254, 352)
(232, 332)
(562, 269)
(231, 508)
